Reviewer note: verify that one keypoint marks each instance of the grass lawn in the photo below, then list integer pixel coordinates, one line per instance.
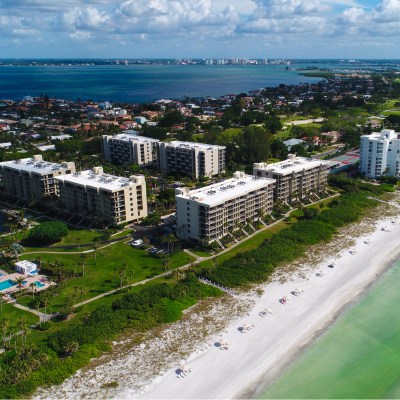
(101, 270)
(13, 314)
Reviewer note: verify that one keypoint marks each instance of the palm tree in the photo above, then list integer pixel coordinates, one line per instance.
(171, 240)
(166, 262)
(24, 330)
(83, 262)
(76, 288)
(45, 302)
(33, 287)
(96, 247)
(3, 327)
(115, 273)
(82, 292)
(19, 281)
(2, 295)
(121, 272)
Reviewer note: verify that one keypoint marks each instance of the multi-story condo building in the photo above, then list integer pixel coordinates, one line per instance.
(32, 179)
(107, 198)
(193, 159)
(296, 178)
(209, 213)
(127, 148)
(380, 154)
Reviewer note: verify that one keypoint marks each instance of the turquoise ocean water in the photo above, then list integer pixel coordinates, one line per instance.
(358, 357)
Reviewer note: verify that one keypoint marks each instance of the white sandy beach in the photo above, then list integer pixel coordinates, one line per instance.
(259, 354)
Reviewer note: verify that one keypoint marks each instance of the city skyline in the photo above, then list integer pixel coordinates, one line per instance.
(200, 29)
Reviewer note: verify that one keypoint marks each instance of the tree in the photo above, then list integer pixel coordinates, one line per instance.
(83, 263)
(19, 281)
(47, 233)
(121, 273)
(4, 324)
(82, 292)
(170, 118)
(310, 213)
(33, 288)
(96, 247)
(2, 295)
(256, 144)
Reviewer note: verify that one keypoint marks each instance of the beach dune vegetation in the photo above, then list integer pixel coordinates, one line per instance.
(72, 347)
(287, 245)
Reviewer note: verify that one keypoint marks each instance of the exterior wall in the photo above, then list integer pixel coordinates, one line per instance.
(197, 221)
(31, 185)
(380, 154)
(191, 159)
(130, 151)
(115, 206)
(295, 185)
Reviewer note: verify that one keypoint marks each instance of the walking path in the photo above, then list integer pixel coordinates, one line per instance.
(42, 316)
(198, 259)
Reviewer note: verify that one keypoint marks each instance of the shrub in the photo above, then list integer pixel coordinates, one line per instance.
(47, 233)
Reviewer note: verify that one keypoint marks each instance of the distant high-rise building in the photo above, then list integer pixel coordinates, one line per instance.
(127, 148)
(380, 154)
(296, 178)
(190, 158)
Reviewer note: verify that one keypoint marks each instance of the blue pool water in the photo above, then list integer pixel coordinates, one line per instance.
(39, 284)
(6, 284)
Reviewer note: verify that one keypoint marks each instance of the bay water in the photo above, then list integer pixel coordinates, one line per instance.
(358, 357)
(140, 83)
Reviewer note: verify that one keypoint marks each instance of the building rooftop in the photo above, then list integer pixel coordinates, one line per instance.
(383, 134)
(131, 136)
(292, 164)
(95, 178)
(228, 189)
(190, 145)
(36, 164)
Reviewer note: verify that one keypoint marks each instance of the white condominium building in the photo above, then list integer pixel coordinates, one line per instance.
(380, 154)
(32, 179)
(207, 214)
(193, 159)
(127, 148)
(296, 178)
(107, 198)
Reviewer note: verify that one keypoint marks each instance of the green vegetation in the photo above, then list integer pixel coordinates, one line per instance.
(100, 271)
(290, 243)
(47, 232)
(72, 347)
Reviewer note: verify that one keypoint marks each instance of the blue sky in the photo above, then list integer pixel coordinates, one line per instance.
(200, 28)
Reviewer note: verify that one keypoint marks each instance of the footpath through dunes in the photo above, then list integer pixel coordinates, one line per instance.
(254, 358)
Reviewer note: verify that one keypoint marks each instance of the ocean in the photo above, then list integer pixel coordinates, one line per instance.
(358, 357)
(140, 83)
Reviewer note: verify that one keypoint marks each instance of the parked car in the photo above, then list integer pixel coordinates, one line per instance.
(137, 243)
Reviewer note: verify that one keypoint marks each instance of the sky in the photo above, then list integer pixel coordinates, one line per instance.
(200, 29)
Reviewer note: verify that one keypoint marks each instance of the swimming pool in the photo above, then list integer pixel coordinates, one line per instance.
(7, 284)
(39, 284)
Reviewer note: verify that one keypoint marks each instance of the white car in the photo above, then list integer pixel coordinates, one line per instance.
(137, 243)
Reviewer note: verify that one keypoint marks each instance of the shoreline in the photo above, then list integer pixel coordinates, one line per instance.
(256, 390)
(255, 359)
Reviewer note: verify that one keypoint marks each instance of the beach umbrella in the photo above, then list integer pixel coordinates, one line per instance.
(246, 326)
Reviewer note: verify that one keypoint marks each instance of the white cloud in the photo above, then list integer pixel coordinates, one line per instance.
(196, 25)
